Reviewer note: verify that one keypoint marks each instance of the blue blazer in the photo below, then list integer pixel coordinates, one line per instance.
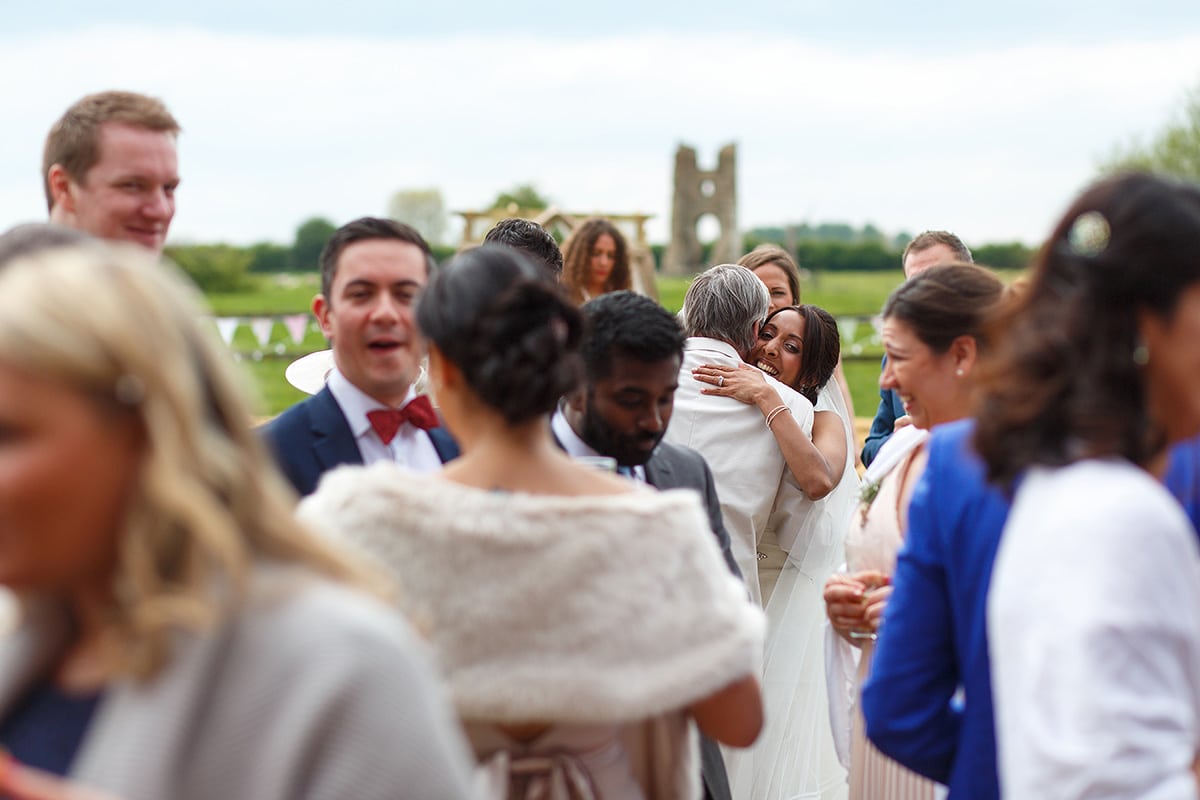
(312, 437)
(935, 636)
(890, 409)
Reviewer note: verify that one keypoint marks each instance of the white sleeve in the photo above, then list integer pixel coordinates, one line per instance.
(1095, 662)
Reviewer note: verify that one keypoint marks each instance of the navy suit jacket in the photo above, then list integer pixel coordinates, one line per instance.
(935, 636)
(312, 437)
(890, 409)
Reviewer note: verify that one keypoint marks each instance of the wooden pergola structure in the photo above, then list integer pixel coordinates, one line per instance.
(476, 224)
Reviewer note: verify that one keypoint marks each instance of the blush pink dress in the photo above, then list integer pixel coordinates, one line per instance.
(872, 542)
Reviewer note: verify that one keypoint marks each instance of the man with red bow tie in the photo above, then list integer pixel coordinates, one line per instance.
(372, 271)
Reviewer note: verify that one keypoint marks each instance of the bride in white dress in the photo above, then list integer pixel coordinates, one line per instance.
(795, 756)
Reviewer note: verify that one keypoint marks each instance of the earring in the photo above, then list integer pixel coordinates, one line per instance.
(959, 372)
(1141, 354)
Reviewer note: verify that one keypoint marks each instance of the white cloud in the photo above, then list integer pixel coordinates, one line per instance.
(990, 143)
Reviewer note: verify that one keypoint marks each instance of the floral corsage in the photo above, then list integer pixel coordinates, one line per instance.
(866, 496)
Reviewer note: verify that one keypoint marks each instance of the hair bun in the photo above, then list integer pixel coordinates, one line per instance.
(510, 331)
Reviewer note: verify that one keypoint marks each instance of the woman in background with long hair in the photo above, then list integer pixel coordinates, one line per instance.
(595, 261)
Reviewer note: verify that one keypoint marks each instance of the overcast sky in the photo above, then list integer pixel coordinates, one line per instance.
(906, 115)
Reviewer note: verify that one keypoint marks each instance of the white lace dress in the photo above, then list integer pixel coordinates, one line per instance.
(795, 756)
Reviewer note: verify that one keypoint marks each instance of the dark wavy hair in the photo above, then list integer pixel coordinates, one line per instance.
(1064, 384)
(501, 320)
(820, 352)
(577, 258)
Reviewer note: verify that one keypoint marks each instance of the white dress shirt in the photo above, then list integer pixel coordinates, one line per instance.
(577, 447)
(755, 486)
(411, 447)
(1094, 637)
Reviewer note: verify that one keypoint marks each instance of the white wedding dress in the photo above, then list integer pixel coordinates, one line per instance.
(795, 757)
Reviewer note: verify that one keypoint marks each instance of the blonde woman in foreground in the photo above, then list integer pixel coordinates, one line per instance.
(180, 636)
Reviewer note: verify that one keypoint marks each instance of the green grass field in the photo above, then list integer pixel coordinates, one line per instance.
(843, 294)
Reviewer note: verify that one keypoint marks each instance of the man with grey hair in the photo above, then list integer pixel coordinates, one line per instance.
(723, 310)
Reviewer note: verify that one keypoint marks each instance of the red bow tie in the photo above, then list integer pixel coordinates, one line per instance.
(386, 421)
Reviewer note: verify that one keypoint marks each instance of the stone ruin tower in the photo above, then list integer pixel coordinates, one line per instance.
(699, 192)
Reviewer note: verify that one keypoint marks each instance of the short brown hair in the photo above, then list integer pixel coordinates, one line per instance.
(364, 229)
(74, 140)
(774, 254)
(928, 239)
(946, 302)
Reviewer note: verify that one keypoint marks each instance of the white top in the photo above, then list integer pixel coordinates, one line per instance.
(411, 448)
(1094, 628)
(752, 479)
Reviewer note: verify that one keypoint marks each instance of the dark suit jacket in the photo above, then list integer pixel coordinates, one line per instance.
(675, 467)
(312, 437)
(884, 424)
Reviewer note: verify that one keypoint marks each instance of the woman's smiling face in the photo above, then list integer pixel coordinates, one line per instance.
(925, 381)
(780, 345)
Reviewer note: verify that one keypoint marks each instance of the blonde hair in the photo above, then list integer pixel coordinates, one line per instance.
(208, 503)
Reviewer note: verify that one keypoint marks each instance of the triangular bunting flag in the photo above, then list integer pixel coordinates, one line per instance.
(297, 325)
(226, 326)
(262, 327)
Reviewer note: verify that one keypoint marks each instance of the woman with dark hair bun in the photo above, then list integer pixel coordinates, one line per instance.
(583, 622)
(1093, 615)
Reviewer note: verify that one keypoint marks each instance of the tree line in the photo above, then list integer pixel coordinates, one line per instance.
(230, 268)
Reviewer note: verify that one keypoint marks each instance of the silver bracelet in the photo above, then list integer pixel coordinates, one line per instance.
(775, 412)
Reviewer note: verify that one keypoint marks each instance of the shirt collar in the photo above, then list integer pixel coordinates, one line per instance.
(567, 436)
(716, 345)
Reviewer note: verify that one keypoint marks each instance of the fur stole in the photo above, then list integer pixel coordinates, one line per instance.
(566, 609)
